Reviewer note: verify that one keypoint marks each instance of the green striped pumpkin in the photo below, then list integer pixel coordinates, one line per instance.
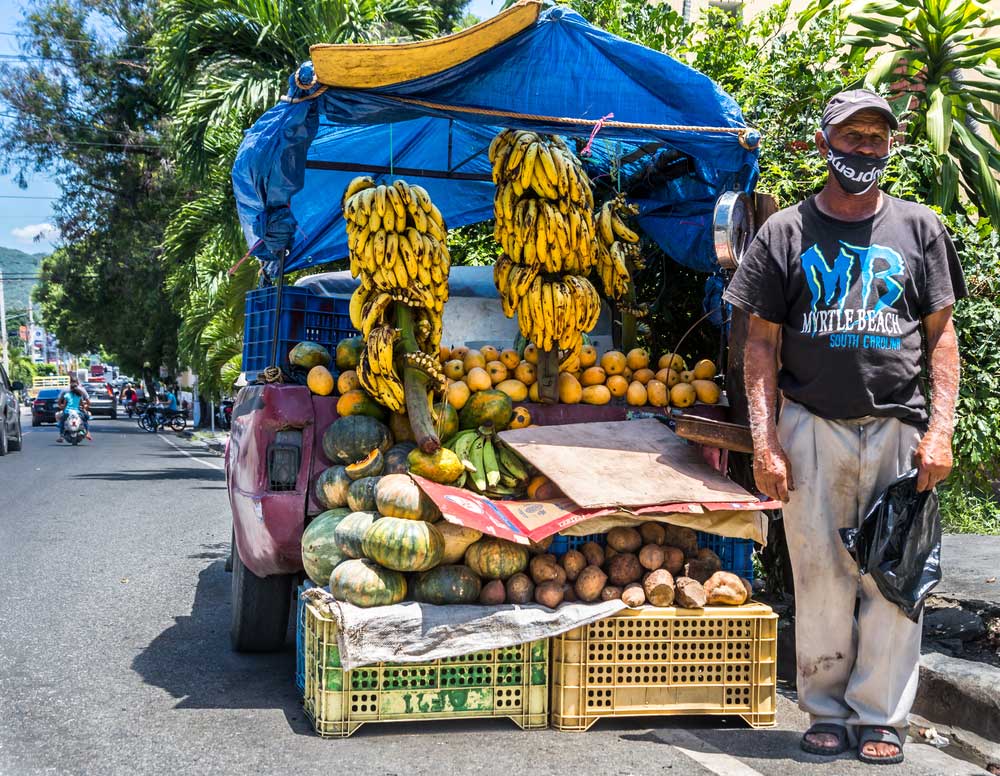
(365, 583)
(320, 553)
(397, 495)
(403, 545)
(331, 487)
(493, 558)
(350, 532)
(447, 585)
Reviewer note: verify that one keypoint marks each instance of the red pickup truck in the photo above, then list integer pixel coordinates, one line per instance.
(275, 454)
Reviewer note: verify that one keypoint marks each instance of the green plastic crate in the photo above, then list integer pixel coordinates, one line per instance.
(510, 682)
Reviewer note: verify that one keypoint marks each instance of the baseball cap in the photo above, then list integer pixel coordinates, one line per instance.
(844, 105)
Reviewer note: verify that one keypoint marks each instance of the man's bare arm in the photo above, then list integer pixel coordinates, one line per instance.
(772, 471)
(933, 456)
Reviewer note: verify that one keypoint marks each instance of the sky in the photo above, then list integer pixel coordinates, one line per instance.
(22, 219)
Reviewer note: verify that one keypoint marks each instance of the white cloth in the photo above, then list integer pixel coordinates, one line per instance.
(851, 671)
(419, 633)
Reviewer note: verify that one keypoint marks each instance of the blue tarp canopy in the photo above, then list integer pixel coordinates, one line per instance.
(560, 75)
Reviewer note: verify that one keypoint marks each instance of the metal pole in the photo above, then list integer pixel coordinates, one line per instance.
(212, 407)
(3, 328)
(277, 308)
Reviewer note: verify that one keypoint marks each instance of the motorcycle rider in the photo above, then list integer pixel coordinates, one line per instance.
(73, 398)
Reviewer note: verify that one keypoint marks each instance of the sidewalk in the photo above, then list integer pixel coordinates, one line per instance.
(214, 441)
(968, 562)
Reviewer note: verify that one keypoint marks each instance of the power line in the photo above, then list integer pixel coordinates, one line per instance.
(23, 196)
(86, 143)
(74, 124)
(78, 40)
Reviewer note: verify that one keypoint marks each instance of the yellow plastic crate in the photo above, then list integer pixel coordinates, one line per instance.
(664, 661)
(511, 682)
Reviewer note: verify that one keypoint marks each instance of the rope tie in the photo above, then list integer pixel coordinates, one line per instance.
(585, 151)
(297, 100)
(236, 266)
(741, 132)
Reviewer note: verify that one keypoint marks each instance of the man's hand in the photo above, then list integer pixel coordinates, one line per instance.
(933, 459)
(772, 472)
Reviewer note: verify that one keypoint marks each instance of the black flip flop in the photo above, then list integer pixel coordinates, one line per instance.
(828, 728)
(872, 734)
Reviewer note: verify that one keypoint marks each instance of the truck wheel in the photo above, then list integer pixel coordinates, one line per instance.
(260, 609)
(232, 551)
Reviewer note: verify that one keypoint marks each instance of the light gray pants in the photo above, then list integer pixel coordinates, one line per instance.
(853, 671)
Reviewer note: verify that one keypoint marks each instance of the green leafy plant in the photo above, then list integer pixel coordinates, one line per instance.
(977, 322)
(938, 61)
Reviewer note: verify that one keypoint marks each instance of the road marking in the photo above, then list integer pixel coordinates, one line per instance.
(705, 754)
(180, 449)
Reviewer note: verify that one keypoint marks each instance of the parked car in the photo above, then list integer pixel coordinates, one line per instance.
(10, 414)
(43, 408)
(101, 402)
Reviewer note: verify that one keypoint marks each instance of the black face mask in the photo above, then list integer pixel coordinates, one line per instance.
(855, 173)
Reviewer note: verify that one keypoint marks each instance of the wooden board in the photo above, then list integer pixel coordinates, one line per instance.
(359, 66)
(627, 463)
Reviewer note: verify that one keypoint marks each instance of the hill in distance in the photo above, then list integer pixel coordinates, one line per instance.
(17, 292)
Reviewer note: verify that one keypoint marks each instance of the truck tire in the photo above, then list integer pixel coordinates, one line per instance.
(260, 609)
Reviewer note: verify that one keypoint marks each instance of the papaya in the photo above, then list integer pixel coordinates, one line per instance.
(441, 466)
(309, 354)
(320, 381)
(488, 406)
(349, 352)
(358, 402)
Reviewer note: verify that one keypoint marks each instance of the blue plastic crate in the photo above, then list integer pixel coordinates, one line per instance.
(300, 645)
(304, 316)
(736, 554)
(563, 544)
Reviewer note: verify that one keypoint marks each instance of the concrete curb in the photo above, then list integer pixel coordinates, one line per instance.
(960, 693)
(216, 444)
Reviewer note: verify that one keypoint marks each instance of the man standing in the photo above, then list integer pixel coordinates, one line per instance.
(849, 287)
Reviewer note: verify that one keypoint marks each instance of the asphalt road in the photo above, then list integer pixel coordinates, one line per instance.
(115, 658)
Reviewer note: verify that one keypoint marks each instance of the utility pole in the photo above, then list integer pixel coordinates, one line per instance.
(3, 328)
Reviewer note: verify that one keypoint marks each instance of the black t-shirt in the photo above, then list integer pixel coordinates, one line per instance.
(850, 296)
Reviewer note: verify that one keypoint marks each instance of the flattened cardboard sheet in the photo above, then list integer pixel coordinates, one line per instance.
(624, 464)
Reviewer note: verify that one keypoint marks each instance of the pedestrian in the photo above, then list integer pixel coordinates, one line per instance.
(848, 288)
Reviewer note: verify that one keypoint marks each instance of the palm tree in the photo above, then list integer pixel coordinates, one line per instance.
(221, 64)
(937, 58)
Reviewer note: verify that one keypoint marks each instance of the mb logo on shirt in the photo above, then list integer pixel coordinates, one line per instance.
(838, 307)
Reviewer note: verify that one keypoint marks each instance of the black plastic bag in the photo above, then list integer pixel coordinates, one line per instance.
(899, 544)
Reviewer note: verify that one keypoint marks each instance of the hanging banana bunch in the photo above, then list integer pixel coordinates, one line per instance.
(616, 247)
(544, 222)
(397, 243)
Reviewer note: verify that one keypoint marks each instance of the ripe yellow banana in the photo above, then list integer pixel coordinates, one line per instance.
(395, 201)
(360, 183)
(622, 230)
